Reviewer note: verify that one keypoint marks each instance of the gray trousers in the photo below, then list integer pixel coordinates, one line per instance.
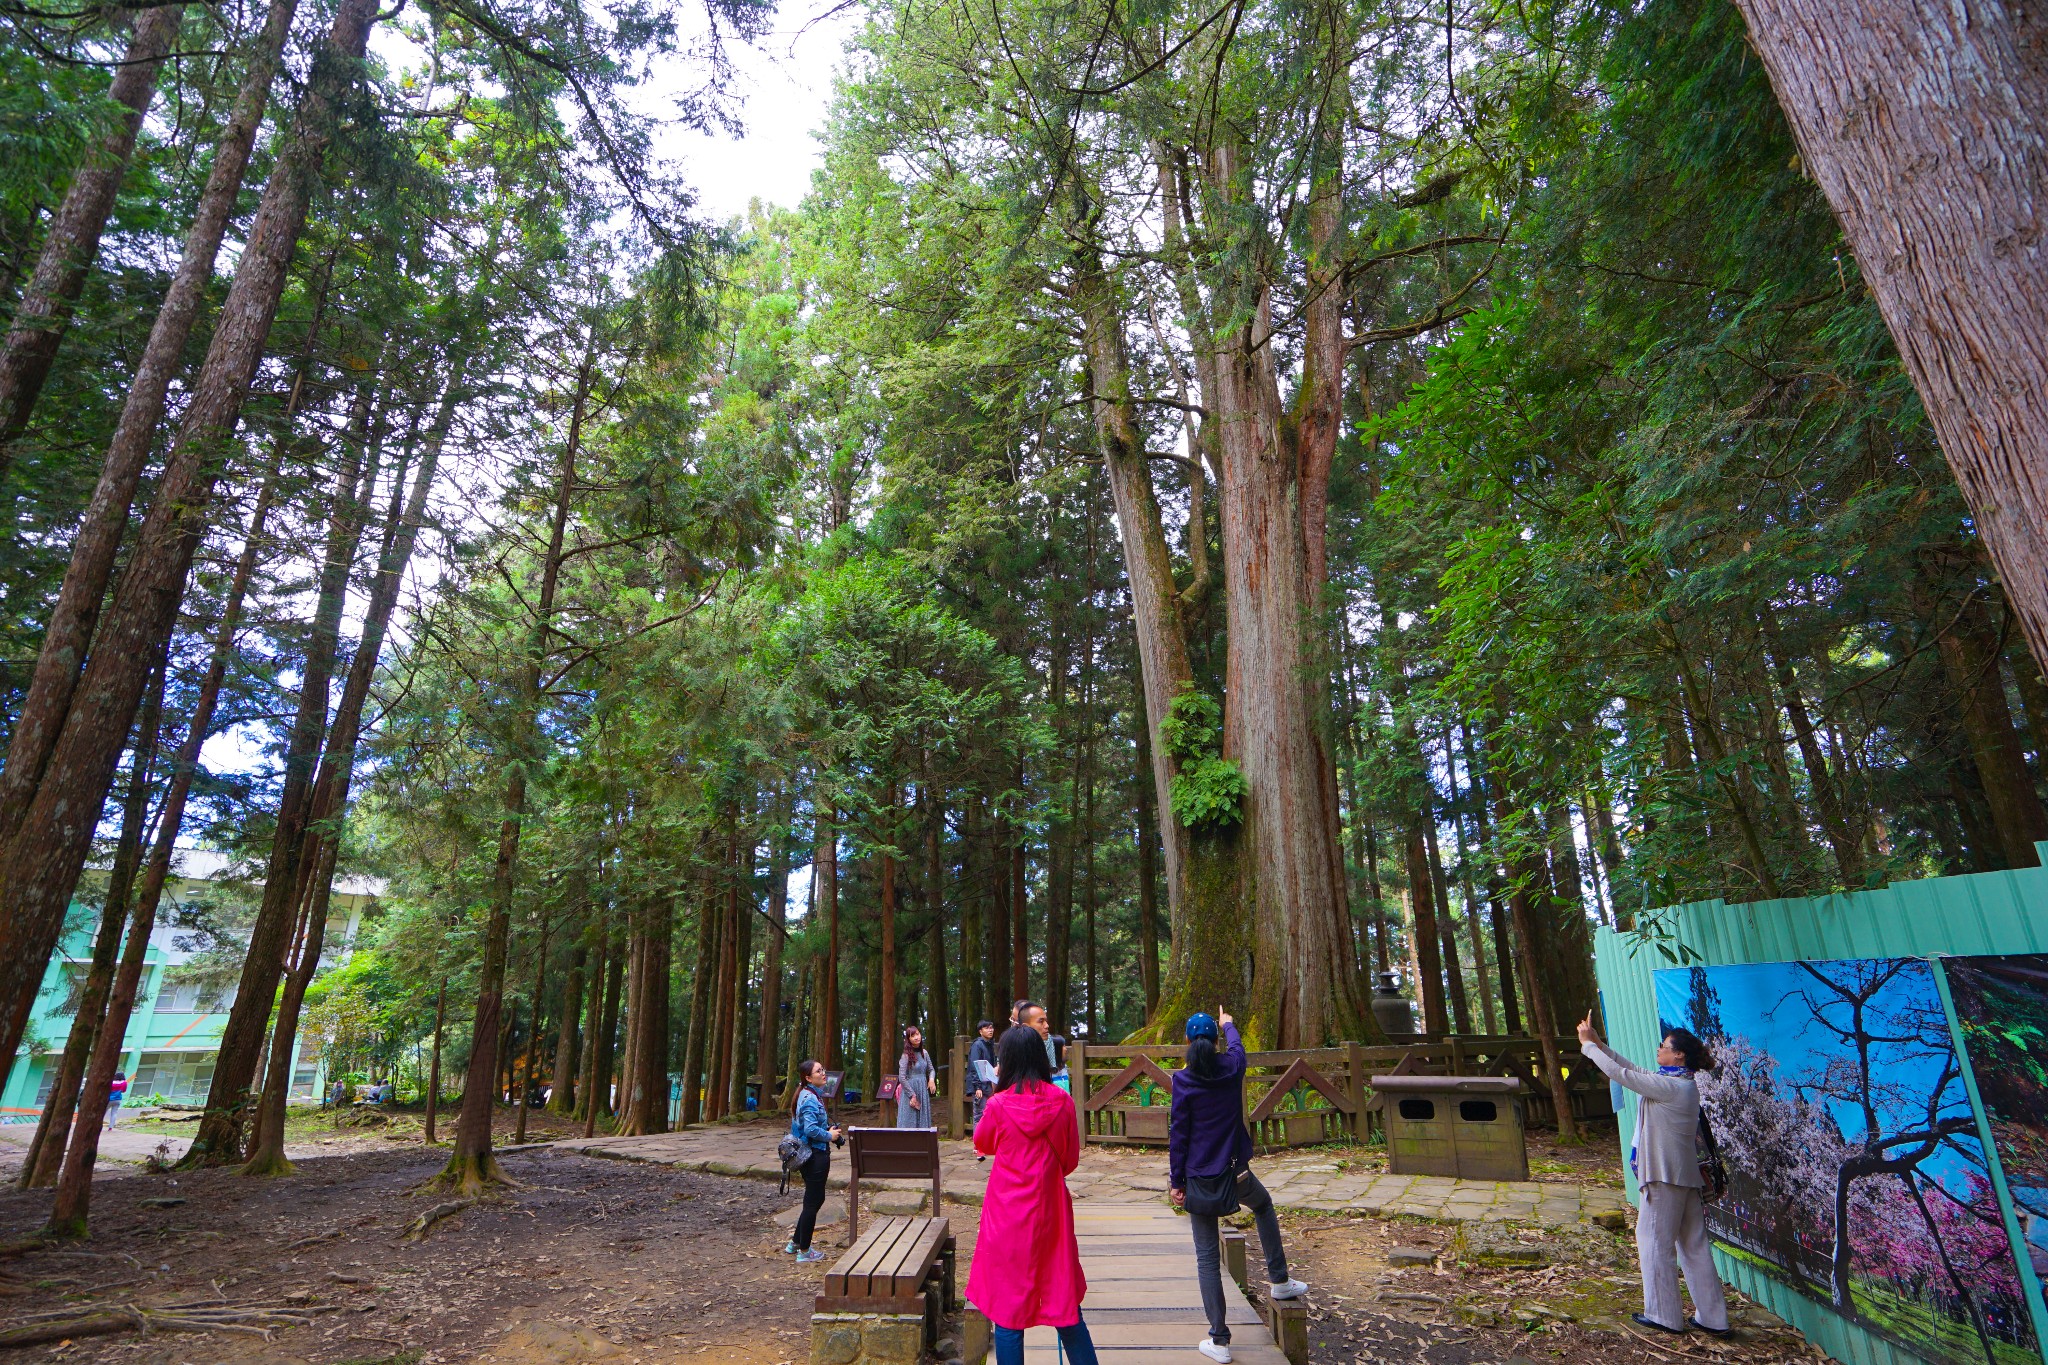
(1209, 1251)
(1671, 1232)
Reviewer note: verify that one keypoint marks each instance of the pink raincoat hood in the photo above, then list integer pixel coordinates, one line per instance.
(1027, 1266)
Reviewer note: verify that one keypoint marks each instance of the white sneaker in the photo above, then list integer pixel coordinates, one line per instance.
(1293, 1289)
(1208, 1347)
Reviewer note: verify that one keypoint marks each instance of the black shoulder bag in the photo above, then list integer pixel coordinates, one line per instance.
(1214, 1195)
(1713, 1173)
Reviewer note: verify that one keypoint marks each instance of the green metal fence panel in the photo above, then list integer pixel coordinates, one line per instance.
(1984, 913)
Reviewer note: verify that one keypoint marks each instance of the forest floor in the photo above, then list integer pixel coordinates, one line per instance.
(587, 1260)
(1387, 1290)
(320, 1131)
(596, 1260)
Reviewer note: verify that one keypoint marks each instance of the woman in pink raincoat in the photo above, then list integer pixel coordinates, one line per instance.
(1027, 1266)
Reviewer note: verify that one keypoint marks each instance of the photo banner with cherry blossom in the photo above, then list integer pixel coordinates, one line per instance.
(2002, 1015)
(1855, 1172)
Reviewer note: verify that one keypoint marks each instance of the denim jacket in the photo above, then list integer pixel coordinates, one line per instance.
(810, 1122)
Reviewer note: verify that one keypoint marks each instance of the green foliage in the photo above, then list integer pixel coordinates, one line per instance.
(1193, 725)
(1208, 794)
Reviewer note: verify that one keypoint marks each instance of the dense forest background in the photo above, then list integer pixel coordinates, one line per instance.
(1197, 507)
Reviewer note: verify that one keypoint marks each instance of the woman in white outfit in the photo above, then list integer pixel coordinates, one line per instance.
(1671, 1226)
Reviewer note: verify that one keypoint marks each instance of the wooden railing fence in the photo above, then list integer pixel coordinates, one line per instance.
(1298, 1097)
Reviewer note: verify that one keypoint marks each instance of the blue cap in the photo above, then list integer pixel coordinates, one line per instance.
(1202, 1026)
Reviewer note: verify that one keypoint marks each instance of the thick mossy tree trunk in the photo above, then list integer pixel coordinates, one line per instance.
(1209, 930)
(1303, 993)
(1273, 460)
(43, 860)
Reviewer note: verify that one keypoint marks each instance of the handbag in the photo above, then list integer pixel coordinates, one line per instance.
(792, 1152)
(1713, 1172)
(1212, 1195)
(890, 1087)
(794, 1149)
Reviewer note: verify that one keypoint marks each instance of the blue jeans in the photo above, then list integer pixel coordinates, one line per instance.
(1074, 1340)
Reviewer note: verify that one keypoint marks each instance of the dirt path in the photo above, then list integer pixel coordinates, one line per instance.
(1569, 1298)
(589, 1260)
(601, 1260)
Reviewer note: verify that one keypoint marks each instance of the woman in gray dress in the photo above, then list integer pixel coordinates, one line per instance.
(1671, 1226)
(914, 1075)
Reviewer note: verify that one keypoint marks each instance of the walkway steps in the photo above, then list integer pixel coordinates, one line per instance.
(1144, 1306)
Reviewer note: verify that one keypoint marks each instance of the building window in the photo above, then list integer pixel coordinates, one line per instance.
(179, 1077)
(194, 997)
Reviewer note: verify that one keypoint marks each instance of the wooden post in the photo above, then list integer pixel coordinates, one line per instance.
(1077, 1080)
(853, 1202)
(1354, 1061)
(1233, 1256)
(956, 1094)
(1287, 1319)
(1457, 1056)
(976, 1336)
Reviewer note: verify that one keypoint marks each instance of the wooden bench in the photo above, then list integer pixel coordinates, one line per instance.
(887, 1297)
(889, 1154)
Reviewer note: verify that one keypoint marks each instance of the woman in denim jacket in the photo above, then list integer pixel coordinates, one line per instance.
(810, 1122)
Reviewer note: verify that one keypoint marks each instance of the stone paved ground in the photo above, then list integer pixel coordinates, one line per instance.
(1350, 1181)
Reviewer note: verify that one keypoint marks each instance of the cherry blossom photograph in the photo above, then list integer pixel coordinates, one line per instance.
(1855, 1171)
(2002, 1007)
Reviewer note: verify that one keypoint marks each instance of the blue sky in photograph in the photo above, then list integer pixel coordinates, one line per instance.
(1759, 1002)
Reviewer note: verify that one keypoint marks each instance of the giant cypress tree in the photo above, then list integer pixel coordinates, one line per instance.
(1107, 140)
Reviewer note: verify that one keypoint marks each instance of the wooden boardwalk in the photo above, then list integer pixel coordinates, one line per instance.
(1143, 1305)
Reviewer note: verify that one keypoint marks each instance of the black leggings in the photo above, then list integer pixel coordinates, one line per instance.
(815, 1170)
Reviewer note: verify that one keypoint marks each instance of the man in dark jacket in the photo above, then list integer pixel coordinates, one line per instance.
(981, 1067)
(1206, 1138)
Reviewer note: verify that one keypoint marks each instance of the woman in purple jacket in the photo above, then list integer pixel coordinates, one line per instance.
(1206, 1137)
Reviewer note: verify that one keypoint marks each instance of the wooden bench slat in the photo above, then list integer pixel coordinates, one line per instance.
(850, 1263)
(874, 1265)
(920, 1254)
(853, 1268)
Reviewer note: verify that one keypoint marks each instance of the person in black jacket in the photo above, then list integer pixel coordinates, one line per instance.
(981, 1084)
(1207, 1141)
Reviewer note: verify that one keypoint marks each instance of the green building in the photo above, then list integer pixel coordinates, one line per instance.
(181, 1008)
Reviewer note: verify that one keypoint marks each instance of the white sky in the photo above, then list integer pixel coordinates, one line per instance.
(785, 84)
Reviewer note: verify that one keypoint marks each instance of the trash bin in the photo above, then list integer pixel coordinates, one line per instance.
(1467, 1126)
